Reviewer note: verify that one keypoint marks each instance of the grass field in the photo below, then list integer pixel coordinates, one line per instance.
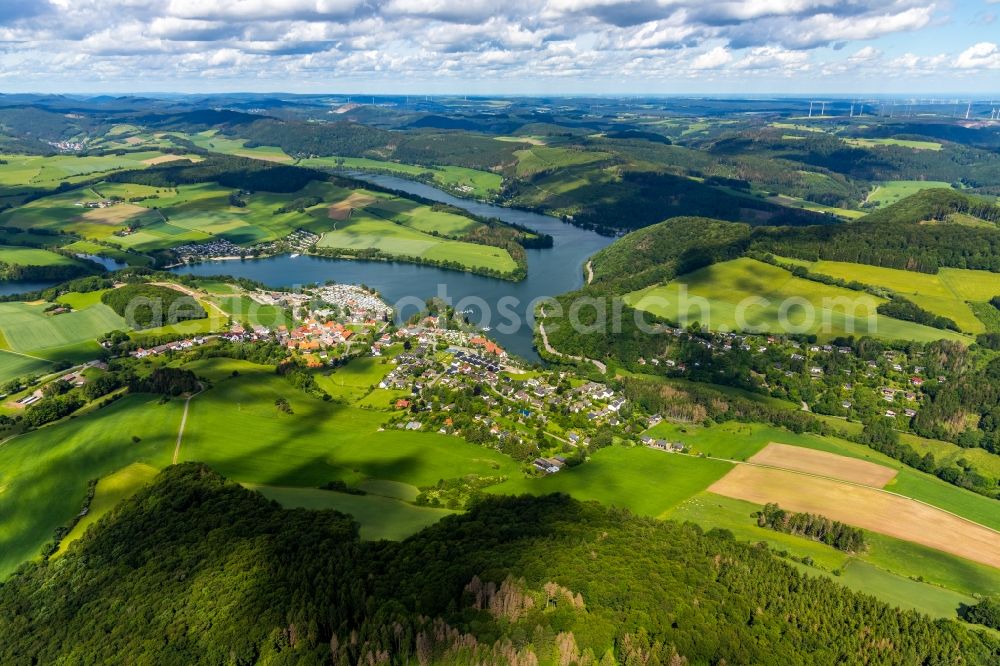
(645, 481)
(236, 428)
(903, 143)
(543, 158)
(945, 293)
(44, 474)
(945, 452)
(186, 214)
(354, 381)
(795, 202)
(864, 507)
(379, 517)
(367, 230)
(15, 365)
(420, 217)
(111, 490)
(27, 256)
(23, 172)
(745, 293)
(29, 330)
(892, 191)
(211, 140)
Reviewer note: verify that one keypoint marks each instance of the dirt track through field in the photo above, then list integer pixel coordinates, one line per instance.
(801, 459)
(869, 508)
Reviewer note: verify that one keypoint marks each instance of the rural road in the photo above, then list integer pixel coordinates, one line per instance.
(180, 431)
(550, 349)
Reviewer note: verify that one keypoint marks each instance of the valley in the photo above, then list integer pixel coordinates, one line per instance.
(766, 385)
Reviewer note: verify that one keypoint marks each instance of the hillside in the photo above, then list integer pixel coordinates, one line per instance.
(913, 234)
(669, 248)
(214, 573)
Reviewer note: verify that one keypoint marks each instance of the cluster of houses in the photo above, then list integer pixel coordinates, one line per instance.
(549, 465)
(67, 146)
(297, 242)
(355, 303)
(662, 444)
(314, 335)
(598, 402)
(102, 203)
(177, 345)
(218, 248)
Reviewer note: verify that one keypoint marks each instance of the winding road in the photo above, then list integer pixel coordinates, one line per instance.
(551, 350)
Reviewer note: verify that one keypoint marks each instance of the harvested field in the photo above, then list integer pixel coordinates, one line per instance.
(342, 209)
(868, 508)
(163, 158)
(115, 215)
(811, 461)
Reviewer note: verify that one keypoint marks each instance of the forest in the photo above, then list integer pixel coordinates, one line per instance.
(151, 306)
(898, 237)
(216, 573)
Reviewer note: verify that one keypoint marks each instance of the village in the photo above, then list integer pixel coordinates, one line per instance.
(829, 378)
(296, 243)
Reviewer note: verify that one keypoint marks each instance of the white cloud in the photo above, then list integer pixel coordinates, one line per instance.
(486, 40)
(713, 59)
(984, 55)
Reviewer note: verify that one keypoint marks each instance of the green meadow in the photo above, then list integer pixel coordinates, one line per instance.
(380, 517)
(213, 141)
(903, 143)
(100, 250)
(29, 330)
(537, 159)
(25, 172)
(718, 296)
(111, 490)
(44, 474)
(236, 428)
(365, 230)
(946, 293)
(27, 256)
(643, 480)
(892, 191)
(14, 365)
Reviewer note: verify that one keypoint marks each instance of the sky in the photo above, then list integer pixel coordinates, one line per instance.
(507, 47)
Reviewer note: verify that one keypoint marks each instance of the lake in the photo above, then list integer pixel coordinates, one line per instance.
(503, 306)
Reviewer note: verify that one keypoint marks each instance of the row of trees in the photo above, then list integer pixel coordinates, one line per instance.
(831, 532)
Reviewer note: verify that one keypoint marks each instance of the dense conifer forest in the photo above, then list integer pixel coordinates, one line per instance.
(215, 574)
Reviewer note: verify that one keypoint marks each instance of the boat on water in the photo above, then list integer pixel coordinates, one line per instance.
(295, 255)
(486, 328)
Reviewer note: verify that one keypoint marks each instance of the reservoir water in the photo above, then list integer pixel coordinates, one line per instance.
(503, 306)
(8, 288)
